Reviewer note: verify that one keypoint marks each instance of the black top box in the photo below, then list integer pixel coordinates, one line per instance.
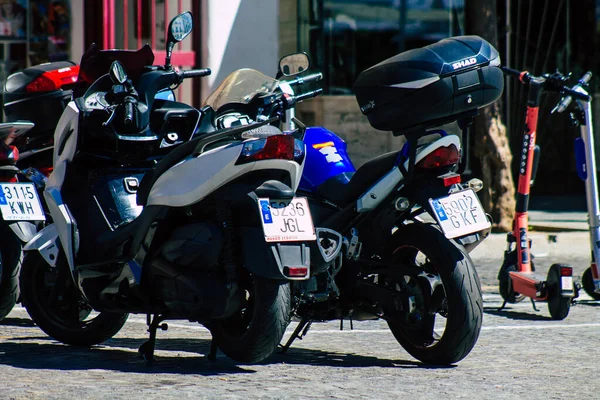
(430, 86)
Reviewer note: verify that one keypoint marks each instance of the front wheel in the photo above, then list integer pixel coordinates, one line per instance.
(587, 281)
(441, 320)
(55, 304)
(253, 333)
(11, 257)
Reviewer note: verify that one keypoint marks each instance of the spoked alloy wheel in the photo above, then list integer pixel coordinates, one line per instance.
(253, 333)
(442, 317)
(56, 306)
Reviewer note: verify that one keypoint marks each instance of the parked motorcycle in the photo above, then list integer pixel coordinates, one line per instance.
(33, 98)
(404, 221)
(211, 232)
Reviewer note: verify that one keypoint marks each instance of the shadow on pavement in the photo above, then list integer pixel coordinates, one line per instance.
(517, 315)
(114, 355)
(25, 322)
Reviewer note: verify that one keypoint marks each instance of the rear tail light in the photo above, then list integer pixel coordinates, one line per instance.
(276, 147)
(566, 271)
(54, 80)
(440, 157)
(295, 272)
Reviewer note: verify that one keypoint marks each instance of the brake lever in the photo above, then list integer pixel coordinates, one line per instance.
(110, 119)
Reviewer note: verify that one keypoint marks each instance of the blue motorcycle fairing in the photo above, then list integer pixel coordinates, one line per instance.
(326, 157)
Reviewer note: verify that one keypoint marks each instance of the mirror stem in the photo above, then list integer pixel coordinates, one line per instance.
(168, 54)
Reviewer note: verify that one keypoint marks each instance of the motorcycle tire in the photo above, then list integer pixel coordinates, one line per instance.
(55, 304)
(11, 258)
(587, 281)
(253, 333)
(446, 261)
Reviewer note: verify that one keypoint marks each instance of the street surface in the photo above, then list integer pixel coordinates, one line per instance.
(521, 353)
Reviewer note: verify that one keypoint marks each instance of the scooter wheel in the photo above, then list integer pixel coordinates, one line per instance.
(587, 281)
(558, 305)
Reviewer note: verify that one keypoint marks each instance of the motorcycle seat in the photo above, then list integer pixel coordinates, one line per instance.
(341, 193)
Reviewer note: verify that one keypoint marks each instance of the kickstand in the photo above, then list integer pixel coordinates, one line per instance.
(300, 331)
(212, 355)
(147, 348)
(502, 306)
(533, 304)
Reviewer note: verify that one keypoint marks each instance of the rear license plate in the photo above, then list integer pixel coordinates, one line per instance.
(460, 214)
(20, 202)
(286, 220)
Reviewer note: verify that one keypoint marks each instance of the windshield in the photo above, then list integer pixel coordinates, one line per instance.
(240, 87)
(96, 63)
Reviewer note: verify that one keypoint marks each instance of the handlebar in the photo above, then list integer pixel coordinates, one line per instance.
(128, 114)
(306, 79)
(564, 103)
(307, 95)
(195, 73)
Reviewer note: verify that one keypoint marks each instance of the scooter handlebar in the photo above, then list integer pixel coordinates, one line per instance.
(573, 92)
(195, 73)
(306, 79)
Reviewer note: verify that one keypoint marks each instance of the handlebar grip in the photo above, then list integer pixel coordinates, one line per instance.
(308, 95)
(128, 113)
(510, 71)
(306, 79)
(565, 102)
(195, 73)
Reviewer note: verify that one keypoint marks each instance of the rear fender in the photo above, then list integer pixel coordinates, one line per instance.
(47, 243)
(24, 230)
(273, 260)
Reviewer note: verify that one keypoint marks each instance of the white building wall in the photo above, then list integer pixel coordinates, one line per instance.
(239, 34)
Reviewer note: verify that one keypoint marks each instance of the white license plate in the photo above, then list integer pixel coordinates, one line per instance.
(460, 213)
(286, 220)
(20, 202)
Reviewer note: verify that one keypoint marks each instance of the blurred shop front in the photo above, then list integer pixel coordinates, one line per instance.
(33, 32)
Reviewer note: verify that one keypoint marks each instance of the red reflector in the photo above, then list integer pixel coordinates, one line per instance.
(566, 271)
(54, 80)
(8, 153)
(46, 170)
(440, 157)
(296, 272)
(451, 180)
(594, 271)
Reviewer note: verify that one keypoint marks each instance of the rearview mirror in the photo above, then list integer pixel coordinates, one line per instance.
(117, 73)
(294, 64)
(179, 28)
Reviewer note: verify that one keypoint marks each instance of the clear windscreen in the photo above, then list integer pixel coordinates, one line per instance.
(240, 87)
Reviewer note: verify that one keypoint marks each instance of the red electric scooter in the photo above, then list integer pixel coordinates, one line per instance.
(517, 277)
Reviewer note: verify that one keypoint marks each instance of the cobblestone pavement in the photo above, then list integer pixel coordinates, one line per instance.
(520, 354)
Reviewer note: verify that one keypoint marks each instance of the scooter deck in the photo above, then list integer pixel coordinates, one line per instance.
(530, 284)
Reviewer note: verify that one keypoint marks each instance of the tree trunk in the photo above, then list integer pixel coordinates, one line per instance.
(491, 141)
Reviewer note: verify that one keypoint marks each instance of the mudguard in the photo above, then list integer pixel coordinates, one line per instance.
(47, 243)
(270, 260)
(24, 230)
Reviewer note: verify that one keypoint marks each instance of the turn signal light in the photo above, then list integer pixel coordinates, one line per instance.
(440, 157)
(276, 147)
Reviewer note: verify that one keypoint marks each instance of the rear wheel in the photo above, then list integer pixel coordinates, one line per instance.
(55, 304)
(558, 305)
(442, 319)
(11, 257)
(253, 333)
